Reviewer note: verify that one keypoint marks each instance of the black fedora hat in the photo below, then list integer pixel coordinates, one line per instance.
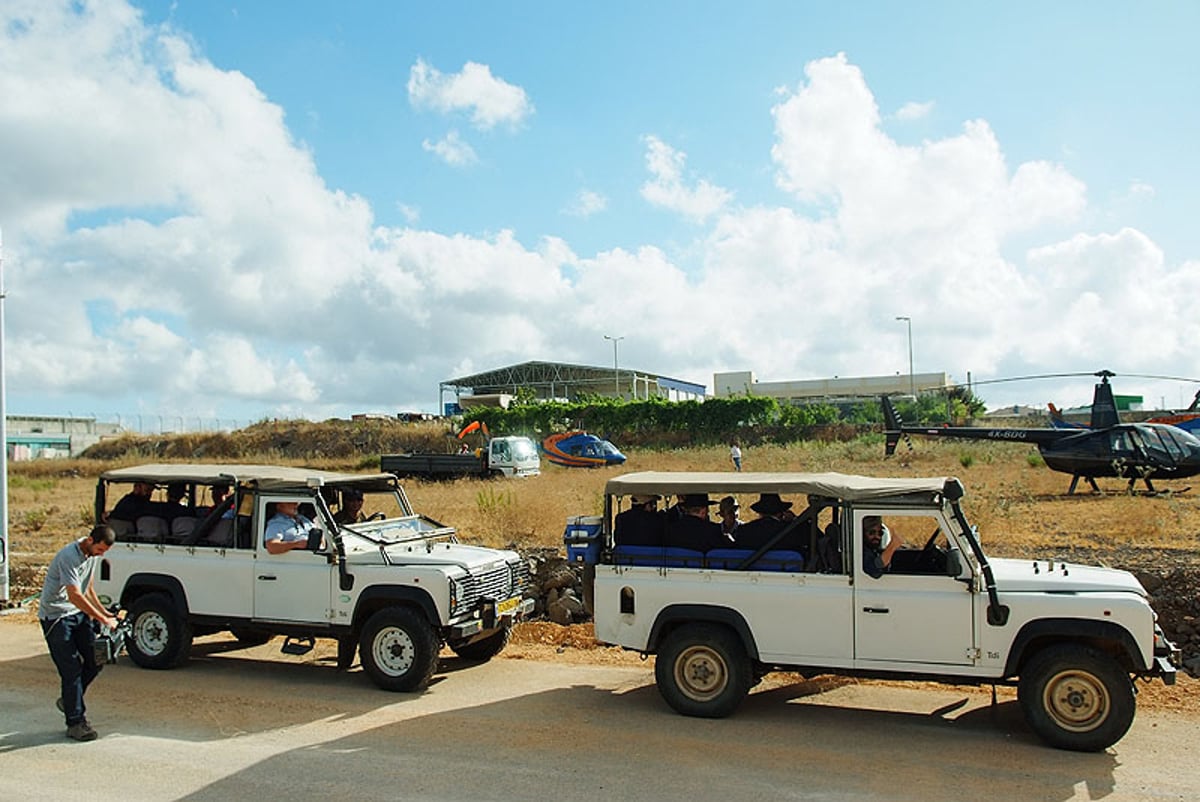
(770, 504)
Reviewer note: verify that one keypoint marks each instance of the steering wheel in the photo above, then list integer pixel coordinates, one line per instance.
(928, 558)
(376, 516)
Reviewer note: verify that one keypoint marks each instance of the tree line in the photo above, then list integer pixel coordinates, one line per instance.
(657, 421)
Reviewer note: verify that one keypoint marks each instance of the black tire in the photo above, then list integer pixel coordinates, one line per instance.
(398, 649)
(1076, 697)
(703, 670)
(160, 636)
(250, 637)
(483, 649)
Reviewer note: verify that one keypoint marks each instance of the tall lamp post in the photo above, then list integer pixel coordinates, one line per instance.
(912, 382)
(616, 373)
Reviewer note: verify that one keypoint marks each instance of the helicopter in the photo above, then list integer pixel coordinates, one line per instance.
(1130, 451)
(579, 449)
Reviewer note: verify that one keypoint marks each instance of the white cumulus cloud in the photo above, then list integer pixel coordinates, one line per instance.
(452, 149)
(488, 100)
(587, 203)
(913, 110)
(667, 187)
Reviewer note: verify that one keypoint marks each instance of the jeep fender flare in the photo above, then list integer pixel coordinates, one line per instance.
(676, 614)
(377, 597)
(1107, 636)
(141, 584)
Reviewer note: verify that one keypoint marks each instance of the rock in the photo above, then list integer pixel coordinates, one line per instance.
(572, 605)
(558, 613)
(1192, 666)
(1151, 582)
(563, 578)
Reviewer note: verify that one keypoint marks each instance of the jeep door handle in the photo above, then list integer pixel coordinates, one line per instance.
(865, 609)
(267, 577)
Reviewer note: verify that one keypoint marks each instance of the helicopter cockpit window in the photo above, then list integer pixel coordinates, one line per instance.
(1168, 442)
(1121, 442)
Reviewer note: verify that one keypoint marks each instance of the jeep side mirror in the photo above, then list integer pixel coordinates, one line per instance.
(953, 563)
(314, 539)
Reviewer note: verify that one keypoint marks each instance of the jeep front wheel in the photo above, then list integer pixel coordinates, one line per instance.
(702, 670)
(398, 649)
(1075, 697)
(159, 633)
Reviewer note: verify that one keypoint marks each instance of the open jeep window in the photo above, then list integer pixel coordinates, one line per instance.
(898, 543)
(271, 517)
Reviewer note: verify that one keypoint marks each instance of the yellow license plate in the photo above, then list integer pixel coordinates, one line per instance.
(508, 606)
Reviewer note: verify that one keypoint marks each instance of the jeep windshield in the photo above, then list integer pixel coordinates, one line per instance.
(381, 516)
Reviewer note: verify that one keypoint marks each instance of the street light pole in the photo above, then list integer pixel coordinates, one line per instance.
(616, 373)
(912, 382)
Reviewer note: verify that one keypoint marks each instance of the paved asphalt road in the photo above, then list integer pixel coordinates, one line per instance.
(239, 724)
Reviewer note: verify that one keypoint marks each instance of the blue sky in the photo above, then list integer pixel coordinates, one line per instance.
(310, 209)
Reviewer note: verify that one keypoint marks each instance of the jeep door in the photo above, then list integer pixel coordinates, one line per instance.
(296, 585)
(913, 612)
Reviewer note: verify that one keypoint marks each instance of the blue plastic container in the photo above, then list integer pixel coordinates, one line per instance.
(582, 539)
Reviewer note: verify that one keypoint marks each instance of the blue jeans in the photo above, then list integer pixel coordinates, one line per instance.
(72, 647)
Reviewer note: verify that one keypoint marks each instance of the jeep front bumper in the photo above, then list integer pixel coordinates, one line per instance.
(490, 615)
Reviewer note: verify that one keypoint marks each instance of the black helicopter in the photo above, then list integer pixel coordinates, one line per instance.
(1130, 451)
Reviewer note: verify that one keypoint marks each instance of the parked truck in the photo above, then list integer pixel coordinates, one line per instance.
(501, 456)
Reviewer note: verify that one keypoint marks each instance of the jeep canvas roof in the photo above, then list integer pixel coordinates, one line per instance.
(832, 485)
(266, 477)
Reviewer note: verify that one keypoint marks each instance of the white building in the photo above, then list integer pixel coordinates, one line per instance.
(857, 388)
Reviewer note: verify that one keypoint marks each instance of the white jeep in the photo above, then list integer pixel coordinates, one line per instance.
(813, 599)
(388, 583)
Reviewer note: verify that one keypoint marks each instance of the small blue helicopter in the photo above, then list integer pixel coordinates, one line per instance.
(579, 449)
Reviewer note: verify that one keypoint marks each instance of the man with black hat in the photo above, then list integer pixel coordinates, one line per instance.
(693, 529)
(773, 515)
(640, 525)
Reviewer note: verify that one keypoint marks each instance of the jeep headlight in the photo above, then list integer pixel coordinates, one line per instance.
(457, 590)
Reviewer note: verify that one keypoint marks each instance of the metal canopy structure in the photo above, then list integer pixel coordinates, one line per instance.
(550, 380)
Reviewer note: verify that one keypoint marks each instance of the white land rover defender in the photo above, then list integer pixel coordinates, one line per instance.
(809, 597)
(376, 577)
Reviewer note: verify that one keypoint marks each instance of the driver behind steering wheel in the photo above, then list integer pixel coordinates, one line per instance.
(350, 510)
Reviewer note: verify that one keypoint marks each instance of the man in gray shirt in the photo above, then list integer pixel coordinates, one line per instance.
(68, 606)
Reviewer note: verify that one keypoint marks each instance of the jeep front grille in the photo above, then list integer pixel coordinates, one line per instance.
(495, 583)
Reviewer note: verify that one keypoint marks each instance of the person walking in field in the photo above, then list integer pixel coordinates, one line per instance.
(68, 607)
(735, 454)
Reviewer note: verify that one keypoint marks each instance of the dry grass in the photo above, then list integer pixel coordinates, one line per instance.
(1019, 508)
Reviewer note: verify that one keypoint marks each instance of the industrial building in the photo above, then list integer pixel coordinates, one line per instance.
(50, 436)
(561, 381)
(835, 390)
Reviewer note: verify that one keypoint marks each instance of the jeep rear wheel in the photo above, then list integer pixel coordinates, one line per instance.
(1075, 697)
(398, 649)
(702, 670)
(159, 633)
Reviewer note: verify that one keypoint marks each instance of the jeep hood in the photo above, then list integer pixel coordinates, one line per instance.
(1042, 576)
(422, 552)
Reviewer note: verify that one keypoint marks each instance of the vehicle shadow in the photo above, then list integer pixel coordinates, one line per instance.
(583, 741)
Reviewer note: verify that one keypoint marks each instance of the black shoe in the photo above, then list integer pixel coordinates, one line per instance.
(82, 732)
(59, 704)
